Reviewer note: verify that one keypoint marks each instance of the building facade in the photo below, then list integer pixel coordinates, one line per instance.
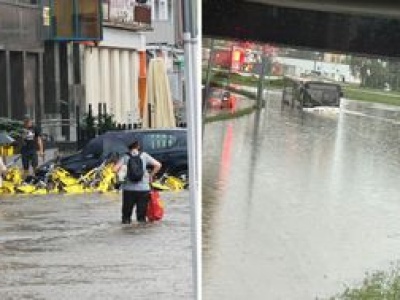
(166, 40)
(21, 60)
(92, 61)
(166, 23)
(67, 25)
(111, 74)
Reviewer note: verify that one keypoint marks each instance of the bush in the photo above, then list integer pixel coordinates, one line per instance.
(378, 285)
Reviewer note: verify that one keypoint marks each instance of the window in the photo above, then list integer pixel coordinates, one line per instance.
(63, 18)
(76, 19)
(88, 18)
(163, 10)
(159, 141)
(160, 10)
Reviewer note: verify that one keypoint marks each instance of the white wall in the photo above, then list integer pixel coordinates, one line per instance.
(163, 22)
(111, 77)
(332, 70)
(118, 38)
(112, 73)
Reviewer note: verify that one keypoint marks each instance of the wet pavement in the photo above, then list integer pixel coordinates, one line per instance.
(74, 247)
(299, 205)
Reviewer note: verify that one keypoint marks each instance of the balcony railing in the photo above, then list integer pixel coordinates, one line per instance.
(128, 15)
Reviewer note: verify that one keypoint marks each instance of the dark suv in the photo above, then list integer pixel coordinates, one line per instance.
(169, 146)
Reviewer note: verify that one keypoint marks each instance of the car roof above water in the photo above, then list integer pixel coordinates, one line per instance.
(111, 132)
(129, 134)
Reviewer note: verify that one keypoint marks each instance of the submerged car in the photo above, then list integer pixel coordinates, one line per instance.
(169, 146)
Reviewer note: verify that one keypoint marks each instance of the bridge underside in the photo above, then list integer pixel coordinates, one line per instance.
(364, 28)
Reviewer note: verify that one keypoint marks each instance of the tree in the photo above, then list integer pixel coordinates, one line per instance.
(372, 72)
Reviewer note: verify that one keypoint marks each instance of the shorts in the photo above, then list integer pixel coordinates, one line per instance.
(30, 158)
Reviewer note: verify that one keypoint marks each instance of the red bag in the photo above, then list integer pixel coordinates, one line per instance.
(155, 209)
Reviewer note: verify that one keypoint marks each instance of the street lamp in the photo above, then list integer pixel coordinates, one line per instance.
(193, 108)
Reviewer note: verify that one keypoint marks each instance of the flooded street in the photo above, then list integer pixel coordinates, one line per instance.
(299, 206)
(74, 247)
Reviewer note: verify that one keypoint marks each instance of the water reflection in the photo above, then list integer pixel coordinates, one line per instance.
(73, 247)
(225, 164)
(308, 203)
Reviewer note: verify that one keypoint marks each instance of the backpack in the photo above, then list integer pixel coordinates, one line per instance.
(135, 170)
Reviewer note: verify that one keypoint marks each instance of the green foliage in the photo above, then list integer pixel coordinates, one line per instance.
(106, 122)
(12, 127)
(234, 78)
(370, 95)
(379, 285)
(352, 92)
(102, 123)
(275, 83)
(89, 120)
(269, 84)
(375, 73)
(229, 115)
(239, 91)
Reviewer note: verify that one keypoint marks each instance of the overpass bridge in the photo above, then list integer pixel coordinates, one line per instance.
(358, 27)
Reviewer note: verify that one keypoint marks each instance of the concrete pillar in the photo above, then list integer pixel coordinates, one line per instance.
(87, 75)
(70, 64)
(135, 84)
(29, 106)
(142, 88)
(82, 66)
(57, 87)
(71, 95)
(95, 80)
(8, 79)
(92, 78)
(125, 85)
(40, 113)
(116, 84)
(105, 78)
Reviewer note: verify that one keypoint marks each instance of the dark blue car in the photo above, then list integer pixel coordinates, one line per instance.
(169, 146)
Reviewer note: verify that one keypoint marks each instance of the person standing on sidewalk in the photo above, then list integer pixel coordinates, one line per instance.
(136, 187)
(32, 146)
(3, 169)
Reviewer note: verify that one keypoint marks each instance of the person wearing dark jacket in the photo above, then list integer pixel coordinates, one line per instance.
(32, 146)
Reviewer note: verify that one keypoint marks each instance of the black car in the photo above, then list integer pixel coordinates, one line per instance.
(169, 146)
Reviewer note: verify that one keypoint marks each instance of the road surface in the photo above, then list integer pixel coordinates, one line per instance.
(74, 247)
(297, 206)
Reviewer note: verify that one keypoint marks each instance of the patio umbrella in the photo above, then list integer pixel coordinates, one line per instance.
(159, 96)
(5, 139)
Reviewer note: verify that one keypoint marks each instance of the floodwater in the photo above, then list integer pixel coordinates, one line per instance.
(298, 206)
(74, 247)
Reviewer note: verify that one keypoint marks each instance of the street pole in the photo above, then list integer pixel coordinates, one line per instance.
(260, 87)
(228, 78)
(193, 110)
(207, 85)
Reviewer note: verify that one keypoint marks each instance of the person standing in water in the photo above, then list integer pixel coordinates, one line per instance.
(3, 169)
(136, 187)
(32, 146)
